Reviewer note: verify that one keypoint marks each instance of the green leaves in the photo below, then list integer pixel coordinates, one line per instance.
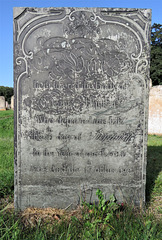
(156, 54)
(156, 34)
(7, 92)
(97, 217)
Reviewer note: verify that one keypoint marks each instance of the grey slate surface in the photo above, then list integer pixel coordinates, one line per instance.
(81, 83)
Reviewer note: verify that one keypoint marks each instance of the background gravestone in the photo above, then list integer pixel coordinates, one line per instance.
(12, 102)
(2, 103)
(7, 105)
(155, 110)
(81, 104)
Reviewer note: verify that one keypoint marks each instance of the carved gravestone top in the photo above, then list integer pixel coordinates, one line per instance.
(81, 104)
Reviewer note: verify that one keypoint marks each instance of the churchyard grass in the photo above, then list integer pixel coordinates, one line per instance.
(105, 221)
(6, 153)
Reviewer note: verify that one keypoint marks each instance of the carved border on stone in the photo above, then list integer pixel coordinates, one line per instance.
(22, 61)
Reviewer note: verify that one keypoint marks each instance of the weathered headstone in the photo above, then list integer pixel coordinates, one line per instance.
(81, 92)
(2, 103)
(150, 83)
(7, 105)
(12, 102)
(155, 110)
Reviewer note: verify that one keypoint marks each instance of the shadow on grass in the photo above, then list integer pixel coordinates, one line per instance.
(154, 166)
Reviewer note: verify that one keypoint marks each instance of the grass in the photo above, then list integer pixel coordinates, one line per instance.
(6, 153)
(105, 221)
(154, 175)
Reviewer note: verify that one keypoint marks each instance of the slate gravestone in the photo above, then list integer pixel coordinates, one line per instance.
(81, 104)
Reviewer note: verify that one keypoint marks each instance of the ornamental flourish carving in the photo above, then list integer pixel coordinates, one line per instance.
(86, 62)
(81, 91)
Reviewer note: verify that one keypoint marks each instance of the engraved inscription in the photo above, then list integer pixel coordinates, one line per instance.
(37, 135)
(81, 104)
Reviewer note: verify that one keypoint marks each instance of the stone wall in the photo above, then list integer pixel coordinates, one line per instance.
(155, 111)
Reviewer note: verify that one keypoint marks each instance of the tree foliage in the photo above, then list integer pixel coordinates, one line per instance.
(7, 92)
(156, 54)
